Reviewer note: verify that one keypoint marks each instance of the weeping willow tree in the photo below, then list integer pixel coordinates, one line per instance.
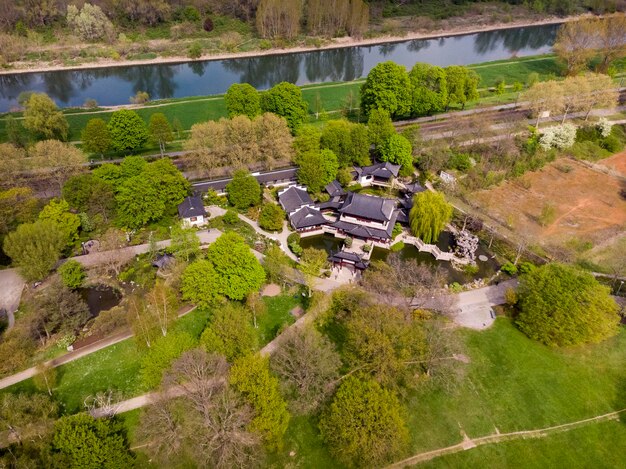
(429, 215)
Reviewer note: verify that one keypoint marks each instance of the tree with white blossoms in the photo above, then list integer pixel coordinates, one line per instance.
(561, 136)
(604, 126)
(89, 22)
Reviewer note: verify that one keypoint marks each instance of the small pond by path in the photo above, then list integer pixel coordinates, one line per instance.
(100, 298)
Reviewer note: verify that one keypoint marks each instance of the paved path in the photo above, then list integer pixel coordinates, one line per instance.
(471, 308)
(11, 286)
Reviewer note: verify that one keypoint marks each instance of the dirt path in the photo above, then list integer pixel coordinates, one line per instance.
(469, 443)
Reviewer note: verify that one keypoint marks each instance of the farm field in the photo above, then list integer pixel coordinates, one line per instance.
(587, 205)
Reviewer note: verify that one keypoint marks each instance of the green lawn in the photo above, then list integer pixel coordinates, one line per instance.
(278, 315)
(517, 70)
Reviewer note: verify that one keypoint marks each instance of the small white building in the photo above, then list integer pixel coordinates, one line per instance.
(191, 211)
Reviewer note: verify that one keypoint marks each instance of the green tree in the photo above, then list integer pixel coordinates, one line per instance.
(311, 264)
(276, 264)
(132, 166)
(307, 140)
(388, 87)
(398, 150)
(43, 118)
(72, 274)
(349, 141)
(46, 377)
(84, 442)
(379, 126)
(430, 89)
(561, 305)
(429, 215)
(230, 333)
(244, 190)
(185, 243)
(242, 98)
(272, 217)
(285, 100)
(35, 248)
(90, 194)
(58, 211)
(138, 202)
(172, 186)
(200, 283)
(462, 85)
(317, 169)
(238, 270)
(160, 130)
(162, 354)
(251, 376)
(363, 425)
(27, 416)
(96, 137)
(17, 205)
(128, 130)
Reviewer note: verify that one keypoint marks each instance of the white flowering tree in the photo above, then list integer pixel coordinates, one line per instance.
(604, 126)
(561, 136)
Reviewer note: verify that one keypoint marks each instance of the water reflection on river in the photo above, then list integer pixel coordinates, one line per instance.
(114, 85)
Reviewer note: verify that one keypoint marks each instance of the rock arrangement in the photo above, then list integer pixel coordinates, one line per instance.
(466, 245)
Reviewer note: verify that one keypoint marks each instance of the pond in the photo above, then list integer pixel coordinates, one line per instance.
(111, 86)
(325, 242)
(100, 298)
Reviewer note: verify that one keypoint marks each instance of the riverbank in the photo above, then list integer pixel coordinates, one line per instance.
(335, 43)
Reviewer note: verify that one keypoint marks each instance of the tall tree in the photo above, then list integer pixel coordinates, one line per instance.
(349, 141)
(462, 85)
(58, 211)
(138, 202)
(575, 43)
(429, 215)
(185, 243)
(162, 304)
(561, 305)
(364, 424)
(387, 87)
(285, 100)
(160, 130)
(546, 96)
(278, 18)
(17, 205)
(163, 352)
(56, 160)
(274, 140)
(380, 126)
(612, 39)
(242, 99)
(397, 150)
(35, 248)
(244, 190)
(128, 130)
(95, 136)
(311, 264)
(316, 169)
(90, 194)
(200, 283)
(230, 333)
(43, 118)
(430, 89)
(27, 416)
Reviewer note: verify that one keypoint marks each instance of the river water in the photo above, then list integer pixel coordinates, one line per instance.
(114, 85)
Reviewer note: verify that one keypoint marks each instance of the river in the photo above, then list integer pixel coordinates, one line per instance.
(114, 85)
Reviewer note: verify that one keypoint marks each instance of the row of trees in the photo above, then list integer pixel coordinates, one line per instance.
(424, 90)
(581, 40)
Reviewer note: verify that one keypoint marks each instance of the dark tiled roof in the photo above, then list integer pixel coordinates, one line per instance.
(267, 178)
(307, 217)
(414, 188)
(367, 206)
(293, 198)
(403, 216)
(381, 170)
(162, 260)
(334, 189)
(332, 204)
(359, 263)
(191, 207)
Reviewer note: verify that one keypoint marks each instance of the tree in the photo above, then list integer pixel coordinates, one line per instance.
(278, 18)
(162, 305)
(251, 376)
(72, 274)
(160, 356)
(160, 130)
(307, 364)
(90, 194)
(112, 241)
(172, 186)
(429, 215)
(349, 141)
(43, 118)
(311, 264)
(46, 378)
(17, 205)
(276, 264)
(200, 283)
(379, 126)
(462, 85)
(35, 248)
(397, 150)
(89, 22)
(562, 305)
(57, 160)
(601, 93)
(58, 212)
(575, 43)
(387, 87)
(274, 140)
(84, 442)
(27, 416)
(546, 96)
(244, 190)
(185, 243)
(307, 140)
(95, 136)
(272, 217)
(238, 270)
(317, 169)
(242, 99)
(285, 100)
(430, 89)
(138, 202)
(364, 424)
(230, 333)
(256, 305)
(128, 131)
(612, 39)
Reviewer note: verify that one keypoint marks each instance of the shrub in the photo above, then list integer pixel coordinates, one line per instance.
(195, 51)
(293, 238)
(604, 127)
(272, 217)
(141, 97)
(548, 215)
(509, 268)
(208, 24)
(510, 297)
(526, 267)
(397, 229)
(367, 247)
(348, 242)
(612, 144)
(456, 287)
(399, 246)
(296, 249)
(230, 217)
(460, 162)
(161, 355)
(72, 274)
(561, 137)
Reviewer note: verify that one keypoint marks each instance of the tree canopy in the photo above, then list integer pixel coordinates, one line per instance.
(379, 126)
(242, 99)
(96, 137)
(398, 150)
(347, 140)
(200, 283)
(244, 190)
(316, 169)
(160, 130)
(229, 332)
(272, 217)
(44, 119)
(387, 87)
(429, 215)
(285, 99)
(127, 129)
(561, 305)
(58, 211)
(430, 89)
(462, 85)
